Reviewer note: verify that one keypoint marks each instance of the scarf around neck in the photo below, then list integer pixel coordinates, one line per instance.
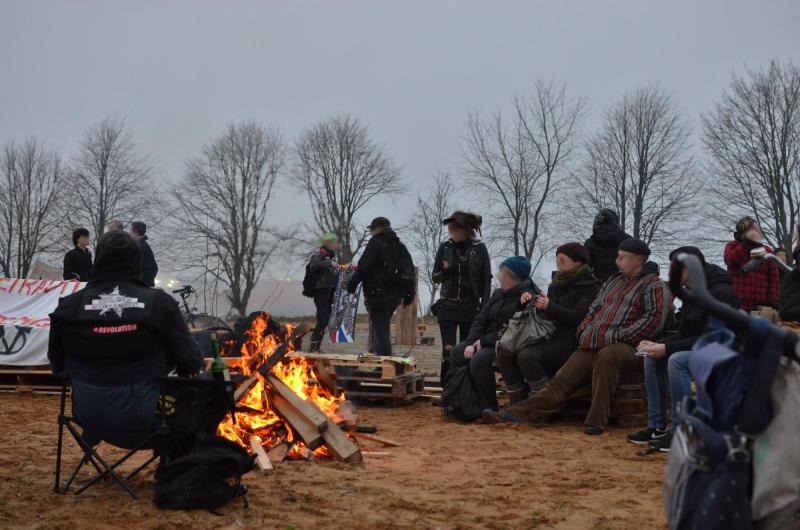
(563, 278)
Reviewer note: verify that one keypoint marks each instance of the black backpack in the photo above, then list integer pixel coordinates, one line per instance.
(308, 282)
(402, 274)
(460, 397)
(208, 477)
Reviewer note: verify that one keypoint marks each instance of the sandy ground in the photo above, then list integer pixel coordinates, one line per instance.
(445, 475)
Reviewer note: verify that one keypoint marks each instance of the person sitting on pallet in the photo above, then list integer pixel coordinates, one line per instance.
(113, 338)
(633, 305)
(670, 355)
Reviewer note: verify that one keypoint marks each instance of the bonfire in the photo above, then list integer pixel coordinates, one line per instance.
(264, 416)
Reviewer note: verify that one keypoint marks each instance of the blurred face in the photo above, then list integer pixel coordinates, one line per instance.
(565, 264)
(332, 245)
(133, 233)
(458, 233)
(83, 241)
(630, 264)
(507, 279)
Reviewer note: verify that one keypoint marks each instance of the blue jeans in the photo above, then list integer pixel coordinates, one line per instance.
(657, 373)
(680, 379)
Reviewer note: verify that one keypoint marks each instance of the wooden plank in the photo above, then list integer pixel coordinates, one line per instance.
(383, 441)
(301, 426)
(341, 445)
(308, 409)
(262, 460)
(325, 376)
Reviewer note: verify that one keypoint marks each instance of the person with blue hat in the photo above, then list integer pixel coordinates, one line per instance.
(516, 290)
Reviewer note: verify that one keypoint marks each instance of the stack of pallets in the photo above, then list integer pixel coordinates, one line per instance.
(366, 377)
(28, 379)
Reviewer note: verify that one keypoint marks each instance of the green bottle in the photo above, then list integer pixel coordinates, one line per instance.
(218, 366)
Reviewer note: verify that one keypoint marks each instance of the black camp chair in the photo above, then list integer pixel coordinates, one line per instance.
(173, 435)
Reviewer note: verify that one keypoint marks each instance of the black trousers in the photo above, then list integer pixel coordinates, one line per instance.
(380, 318)
(481, 367)
(452, 332)
(323, 298)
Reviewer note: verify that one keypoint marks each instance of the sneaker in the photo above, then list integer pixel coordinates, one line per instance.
(591, 430)
(503, 416)
(661, 444)
(647, 435)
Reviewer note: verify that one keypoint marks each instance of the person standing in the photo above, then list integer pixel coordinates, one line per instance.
(78, 261)
(323, 267)
(149, 266)
(603, 243)
(388, 275)
(759, 287)
(114, 225)
(463, 268)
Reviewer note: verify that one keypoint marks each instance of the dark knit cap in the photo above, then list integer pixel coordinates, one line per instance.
(117, 257)
(140, 227)
(694, 251)
(635, 246)
(379, 222)
(520, 266)
(575, 251)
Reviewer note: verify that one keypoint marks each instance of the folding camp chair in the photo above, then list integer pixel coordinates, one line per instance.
(170, 436)
(155, 438)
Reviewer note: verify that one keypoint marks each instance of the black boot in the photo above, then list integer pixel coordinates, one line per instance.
(315, 346)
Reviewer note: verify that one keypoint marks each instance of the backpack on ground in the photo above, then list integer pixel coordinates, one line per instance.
(460, 397)
(207, 478)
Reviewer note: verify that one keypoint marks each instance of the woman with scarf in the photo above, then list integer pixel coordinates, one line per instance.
(568, 298)
(463, 268)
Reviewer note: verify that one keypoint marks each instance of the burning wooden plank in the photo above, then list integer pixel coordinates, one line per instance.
(311, 412)
(262, 460)
(278, 453)
(302, 426)
(282, 349)
(383, 441)
(341, 445)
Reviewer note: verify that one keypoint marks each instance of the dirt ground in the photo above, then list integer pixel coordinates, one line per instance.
(445, 475)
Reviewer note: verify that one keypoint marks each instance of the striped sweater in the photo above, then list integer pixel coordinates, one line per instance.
(627, 310)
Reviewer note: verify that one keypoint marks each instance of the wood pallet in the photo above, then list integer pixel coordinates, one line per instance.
(394, 380)
(38, 379)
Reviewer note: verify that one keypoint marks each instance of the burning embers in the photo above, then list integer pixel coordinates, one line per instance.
(285, 403)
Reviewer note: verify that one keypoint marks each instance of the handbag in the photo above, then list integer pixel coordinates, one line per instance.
(525, 328)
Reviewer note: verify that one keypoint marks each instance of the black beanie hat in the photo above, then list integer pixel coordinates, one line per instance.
(694, 251)
(117, 257)
(635, 246)
(575, 251)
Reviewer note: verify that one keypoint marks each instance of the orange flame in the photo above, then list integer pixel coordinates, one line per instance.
(255, 417)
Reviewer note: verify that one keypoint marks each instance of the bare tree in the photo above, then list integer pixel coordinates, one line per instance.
(342, 168)
(517, 162)
(30, 182)
(110, 179)
(640, 164)
(223, 204)
(425, 230)
(753, 139)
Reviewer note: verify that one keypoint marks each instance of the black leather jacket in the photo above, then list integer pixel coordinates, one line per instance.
(478, 266)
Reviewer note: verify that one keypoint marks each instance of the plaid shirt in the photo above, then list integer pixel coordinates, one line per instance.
(627, 310)
(757, 288)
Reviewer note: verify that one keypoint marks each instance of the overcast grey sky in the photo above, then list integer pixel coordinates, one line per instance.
(412, 70)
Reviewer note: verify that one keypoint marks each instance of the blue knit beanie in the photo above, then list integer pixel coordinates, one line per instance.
(520, 266)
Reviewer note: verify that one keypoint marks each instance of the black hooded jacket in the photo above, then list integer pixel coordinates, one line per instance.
(693, 319)
(149, 265)
(602, 245)
(376, 268)
(789, 297)
(117, 331)
(469, 281)
(78, 265)
(495, 314)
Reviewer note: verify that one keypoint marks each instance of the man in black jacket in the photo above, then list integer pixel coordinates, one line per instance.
(114, 338)
(323, 266)
(667, 360)
(604, 242)
(78, 261)
(149, 265)
(388, 275)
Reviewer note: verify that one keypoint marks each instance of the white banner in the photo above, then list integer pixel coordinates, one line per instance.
(24, 321)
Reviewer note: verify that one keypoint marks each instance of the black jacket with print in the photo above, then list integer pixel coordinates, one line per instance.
(119, 332)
